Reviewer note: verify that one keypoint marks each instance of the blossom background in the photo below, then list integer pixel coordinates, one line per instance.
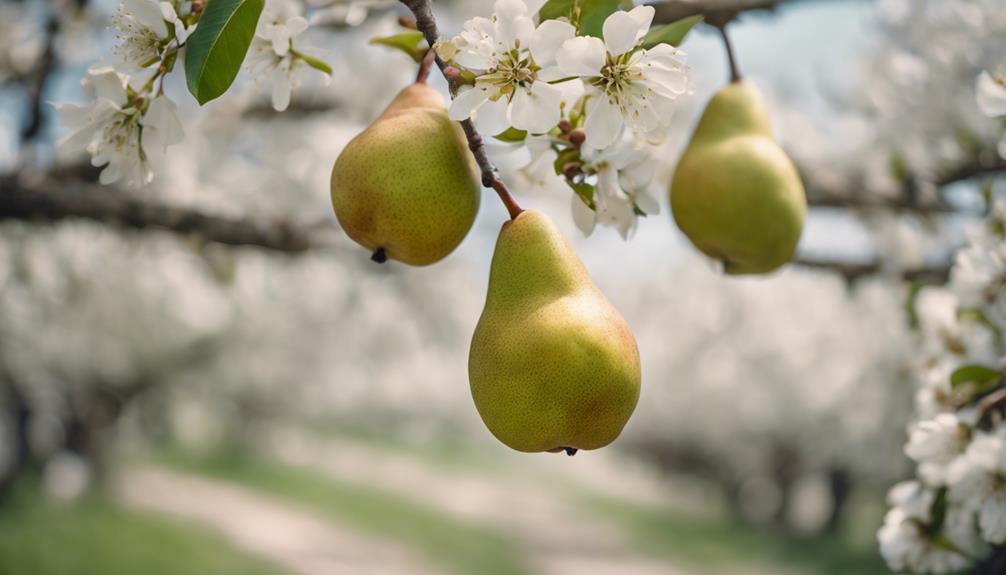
(174, 405)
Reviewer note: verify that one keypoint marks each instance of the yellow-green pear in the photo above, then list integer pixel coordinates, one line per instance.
(553, 366)
(735, 192)
(407, 188)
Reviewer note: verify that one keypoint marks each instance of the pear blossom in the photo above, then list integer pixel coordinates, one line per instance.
(622, 175)
(514, 62)
(977, 485)
(627, 85)
(272, 58)
(126, 135)
(279, 24)
(142, 32)
(991, 93)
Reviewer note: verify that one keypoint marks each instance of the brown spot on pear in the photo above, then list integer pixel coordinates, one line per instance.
(407, 185)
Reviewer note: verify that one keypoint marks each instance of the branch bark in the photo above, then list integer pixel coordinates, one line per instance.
(716, 13)
(427, 24)
(53, 200)
(853, 271)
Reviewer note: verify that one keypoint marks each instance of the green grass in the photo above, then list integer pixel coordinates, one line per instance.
(716, 543)
(94, 536)
(462, 546)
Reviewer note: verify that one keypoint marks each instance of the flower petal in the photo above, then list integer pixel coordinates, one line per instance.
(584, 217)
(296, 25)
(623, 30)
(491, 117)
(281, 90)
(991, 95)
(147, 13)
(548, 38)
(466, 102)
(162, 118)
(604, 122)
(536, 110)
(581, 56)
(280, 40)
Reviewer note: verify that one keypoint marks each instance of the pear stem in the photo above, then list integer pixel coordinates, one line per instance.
(424, 66)
(427, 24)
(735, 73)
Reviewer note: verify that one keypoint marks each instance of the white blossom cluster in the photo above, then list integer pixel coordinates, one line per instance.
(953, 513)
(130, 121)
(586, 108)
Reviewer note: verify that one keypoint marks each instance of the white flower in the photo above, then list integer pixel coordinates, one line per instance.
(279, 24)
(627, 85)
(143, 32)
(937, 441)
(905, 545)
(977, 484)
(622, 175)
(118, 135)
(515, 61)
(991, 94)
(280, 72)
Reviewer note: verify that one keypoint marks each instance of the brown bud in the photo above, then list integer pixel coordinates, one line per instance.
(571, 169)
(577, 137)
(407, 22)
(197, 6)
(565, 126)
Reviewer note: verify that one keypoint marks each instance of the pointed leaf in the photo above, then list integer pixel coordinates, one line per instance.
(979, 375)
(553, 9)
(215, 51)
(673, 33)
(511, 135)
(407, 42)
(316, 63)
(593, 13)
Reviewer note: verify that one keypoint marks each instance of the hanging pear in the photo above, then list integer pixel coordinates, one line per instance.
(735, 192)
(406, 188)
(553, 366)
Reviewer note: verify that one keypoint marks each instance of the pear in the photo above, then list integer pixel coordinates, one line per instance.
(407, 188)
(735, 192)
(553, 366)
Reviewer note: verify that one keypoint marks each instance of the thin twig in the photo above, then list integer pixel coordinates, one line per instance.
(735, 73)
(37, 81)
(427, 24)
(424, 66)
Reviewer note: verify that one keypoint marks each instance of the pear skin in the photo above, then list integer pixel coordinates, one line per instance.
(406, 188)
(735, 193)
(553, 366)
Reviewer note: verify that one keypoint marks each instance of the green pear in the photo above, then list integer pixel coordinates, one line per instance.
(553, 366)
(735, 192)
(407, 188)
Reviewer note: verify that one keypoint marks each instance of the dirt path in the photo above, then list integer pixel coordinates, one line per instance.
(560, 537)
(291, 538)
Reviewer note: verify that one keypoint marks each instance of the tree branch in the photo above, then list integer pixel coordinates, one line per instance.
(853, 271)
(58, 200)
(716, 13)
(36, 80)
(427, 24)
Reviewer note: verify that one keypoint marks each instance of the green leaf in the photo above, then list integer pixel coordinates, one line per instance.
(585, 191)
(979, 375)
(511, 135)
(407, 42)
(553, 9)
(938, 512)
(673, 33)
(593, 13)
(313, 62)
(215, 51)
